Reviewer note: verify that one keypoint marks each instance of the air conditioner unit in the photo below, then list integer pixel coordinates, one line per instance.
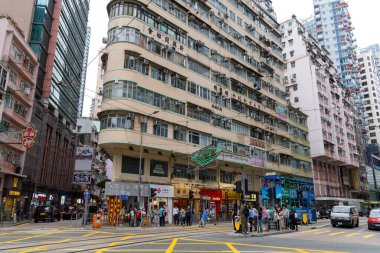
(177, 76)
(156, 122)
(199, 109)
(166, 71)
(104, 40)
(213, 52)
(145, 61)
(177, 103)
(177, 128)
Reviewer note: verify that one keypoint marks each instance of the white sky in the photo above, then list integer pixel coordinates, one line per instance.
(364, 15)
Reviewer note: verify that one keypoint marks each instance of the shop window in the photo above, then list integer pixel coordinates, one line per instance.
(183, 171)
(131, 165)
(207, 175)
(158, 168)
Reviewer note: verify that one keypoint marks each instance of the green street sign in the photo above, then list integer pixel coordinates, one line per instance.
(206, 155)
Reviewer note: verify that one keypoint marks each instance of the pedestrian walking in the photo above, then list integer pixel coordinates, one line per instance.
(156, 217)
(138, 217)
(285, 212)
(259, 220)
(250, 218)
(183, 216)
(162, 212)
(276, 218)
(188, 216)
(266, 220)
(202, 222)
(293, 219)
(176, 215)
(281, 220)
(131, 218)
(244, 211)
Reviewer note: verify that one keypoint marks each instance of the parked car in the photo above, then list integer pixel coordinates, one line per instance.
(71, 213)
(47, 213)
(345, 216)
(374, 219)
(323, 213)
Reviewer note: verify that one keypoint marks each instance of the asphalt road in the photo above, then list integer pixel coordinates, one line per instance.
(64, 237)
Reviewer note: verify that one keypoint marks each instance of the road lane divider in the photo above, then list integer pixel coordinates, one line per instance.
(352, 234)
(172, 245)
(337, 233)
(368, 236)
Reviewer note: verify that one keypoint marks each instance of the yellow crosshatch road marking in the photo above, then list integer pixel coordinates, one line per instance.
(232, 248)
(322, 232)
(90, 234)
(267, 246)
(352, 234)
(172, 245)
(369, 236)
(26, 238)
(33, 249)
(337, 233)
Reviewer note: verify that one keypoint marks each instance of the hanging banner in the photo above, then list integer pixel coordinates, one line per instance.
(206, 155)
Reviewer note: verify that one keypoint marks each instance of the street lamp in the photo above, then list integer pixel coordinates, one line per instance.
(140, 159)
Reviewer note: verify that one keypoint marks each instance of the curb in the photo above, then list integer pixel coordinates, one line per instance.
(13, 224)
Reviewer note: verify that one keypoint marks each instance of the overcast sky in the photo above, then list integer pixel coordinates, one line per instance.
(364, 13)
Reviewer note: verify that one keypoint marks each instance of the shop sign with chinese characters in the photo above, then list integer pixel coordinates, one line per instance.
(206, 155)
(28, 135)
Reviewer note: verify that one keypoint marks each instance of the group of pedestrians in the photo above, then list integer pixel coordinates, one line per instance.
(182, 217)
(261, 219)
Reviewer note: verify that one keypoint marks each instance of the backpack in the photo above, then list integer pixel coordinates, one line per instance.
(164, 213)
(138, 214)
(246, 211)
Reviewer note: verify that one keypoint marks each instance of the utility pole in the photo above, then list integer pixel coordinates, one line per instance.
(243, 185)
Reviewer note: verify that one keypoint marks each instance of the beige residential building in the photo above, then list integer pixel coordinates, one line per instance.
(181, 78)
(18, 74)
(314, 87)
(97, 101)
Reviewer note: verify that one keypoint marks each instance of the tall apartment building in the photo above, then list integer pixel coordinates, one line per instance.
(57, 34)
(84, 72)
(313, 86)
(18, 75)
(332, 27)
(181, 78)
(370, 90)
(97, 101)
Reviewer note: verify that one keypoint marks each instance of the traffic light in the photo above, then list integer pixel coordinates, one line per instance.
(153, 192)
(238, 188)
(191, 194)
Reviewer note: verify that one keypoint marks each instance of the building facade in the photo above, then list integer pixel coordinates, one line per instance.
(90, 160)
(18, 75)
(313, 85)
(181, 78)
(84, 72)
(370, 90)
(97, 101)
(57, 35)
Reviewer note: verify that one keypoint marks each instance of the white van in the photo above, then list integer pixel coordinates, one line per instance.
(345, 216)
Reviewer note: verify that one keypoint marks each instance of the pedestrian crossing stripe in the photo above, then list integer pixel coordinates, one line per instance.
(337, 233)
(322, 232)
(353, 234)
(369, 236)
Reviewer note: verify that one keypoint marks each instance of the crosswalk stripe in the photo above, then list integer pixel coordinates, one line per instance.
(322, 232)
(369, 236)
(352, 234)
(337, 233)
